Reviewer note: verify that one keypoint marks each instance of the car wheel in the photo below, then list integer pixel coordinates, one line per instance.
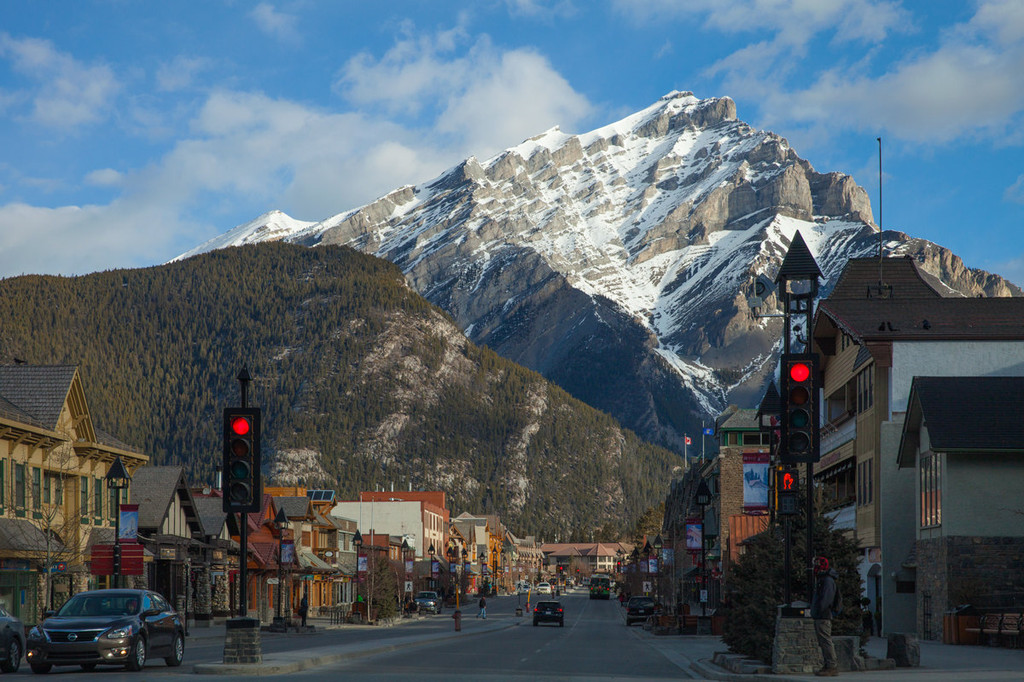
(88, 666)
(177, 651)
(561, 623)
(40, 668)
(137, 658)
(534, 623)
(13, 661)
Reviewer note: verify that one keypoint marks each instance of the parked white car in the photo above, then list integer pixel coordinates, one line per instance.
(544, 588)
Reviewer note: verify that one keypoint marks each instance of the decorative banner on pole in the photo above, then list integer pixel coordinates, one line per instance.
(652, 566)
(755, 482)
(694, 534)
(128, 525)
(408, 566)
(435, 568)
(287, 551)
(361, 563)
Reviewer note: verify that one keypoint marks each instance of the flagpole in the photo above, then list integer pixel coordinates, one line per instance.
(702, 442)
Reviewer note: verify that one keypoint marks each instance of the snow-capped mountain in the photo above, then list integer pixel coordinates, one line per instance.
(618, 262)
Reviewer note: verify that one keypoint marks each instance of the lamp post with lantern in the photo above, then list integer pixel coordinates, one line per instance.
(658, 544)
(357, 541)
(702, 499)
(117, 479)
(280, 523)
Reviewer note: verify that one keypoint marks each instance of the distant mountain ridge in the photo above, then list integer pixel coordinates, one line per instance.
(618, 262)
(362, 383)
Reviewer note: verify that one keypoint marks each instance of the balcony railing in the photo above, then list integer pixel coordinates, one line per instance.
(837, 432)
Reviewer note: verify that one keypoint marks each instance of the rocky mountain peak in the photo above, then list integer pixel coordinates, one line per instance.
(617, 262)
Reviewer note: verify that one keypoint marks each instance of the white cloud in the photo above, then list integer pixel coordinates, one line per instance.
(104, 177)
(63, 92)
(481, 100)
(179, 73)
(1015, 192)
(280, 26)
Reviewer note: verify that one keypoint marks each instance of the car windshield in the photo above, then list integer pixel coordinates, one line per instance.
(641, 601)
(123, 604)
(427, 595)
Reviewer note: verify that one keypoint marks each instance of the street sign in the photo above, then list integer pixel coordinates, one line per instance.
(408, 586)
(703, 596)
(272, 581)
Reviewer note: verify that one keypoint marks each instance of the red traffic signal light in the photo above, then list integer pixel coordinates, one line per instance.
(787, 485)
(799, 372)
(241, 426)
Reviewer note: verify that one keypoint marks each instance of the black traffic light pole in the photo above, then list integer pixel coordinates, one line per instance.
(243, 597)
(798, 277)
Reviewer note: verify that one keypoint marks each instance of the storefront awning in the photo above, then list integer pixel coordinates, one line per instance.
(24, 537)
(311, 561)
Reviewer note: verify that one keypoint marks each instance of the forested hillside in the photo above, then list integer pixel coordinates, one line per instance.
(362, 383)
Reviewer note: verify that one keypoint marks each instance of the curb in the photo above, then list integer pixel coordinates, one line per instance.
(275, 666)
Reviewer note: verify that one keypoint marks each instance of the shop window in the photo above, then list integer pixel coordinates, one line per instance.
(865, 482)
(865, 389)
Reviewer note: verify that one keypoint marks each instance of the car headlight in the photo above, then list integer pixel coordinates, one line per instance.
(119, 633)
(37, 634)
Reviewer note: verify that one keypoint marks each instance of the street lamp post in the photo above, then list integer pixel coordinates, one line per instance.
(358, 542)
(658, 544)
(280, 521)
(431, 552)
(647, 558)
(405, 567)
(117, 479)
(703, 499)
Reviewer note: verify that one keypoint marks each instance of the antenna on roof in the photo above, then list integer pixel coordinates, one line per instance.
(882, 290)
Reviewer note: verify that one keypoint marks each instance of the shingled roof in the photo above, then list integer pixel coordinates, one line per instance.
(903, 275)
(926, 319)
(153, 489)
(39, 390)
(966, 414)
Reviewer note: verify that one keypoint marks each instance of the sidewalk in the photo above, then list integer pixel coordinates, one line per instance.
(939, 663)
(292, 661)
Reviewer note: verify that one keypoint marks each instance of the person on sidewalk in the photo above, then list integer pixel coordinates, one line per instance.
(483, 608)
(822, 604)
(304, 608)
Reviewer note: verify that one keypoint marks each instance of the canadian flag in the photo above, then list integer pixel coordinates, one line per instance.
(689, 441)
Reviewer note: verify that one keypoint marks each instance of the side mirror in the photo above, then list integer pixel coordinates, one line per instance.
(151, 612)
(47, 614)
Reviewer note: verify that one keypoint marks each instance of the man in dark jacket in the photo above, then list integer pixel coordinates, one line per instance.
(821, 612)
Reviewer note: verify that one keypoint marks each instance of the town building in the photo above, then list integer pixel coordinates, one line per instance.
(884, 323)
(54, 501)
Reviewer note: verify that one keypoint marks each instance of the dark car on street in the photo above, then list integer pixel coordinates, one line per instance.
(638, 609)
(549, 612)
(107, 627)
(428, 600)
(12, 641)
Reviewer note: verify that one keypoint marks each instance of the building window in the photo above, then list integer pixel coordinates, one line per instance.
(931, 490)
(47, 488)
(3, 484)
(19, 487)
(755, 439)
(97, 498)
(84, 511)
(865, 389)
(865, 483)
(37, 488)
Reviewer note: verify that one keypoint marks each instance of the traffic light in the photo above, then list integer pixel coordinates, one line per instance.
(800, 440)
(242, 485)
(787, 491)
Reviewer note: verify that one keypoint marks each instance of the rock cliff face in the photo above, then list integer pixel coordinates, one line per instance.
(618, 262)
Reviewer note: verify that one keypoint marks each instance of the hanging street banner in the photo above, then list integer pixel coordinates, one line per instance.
(361, 563)
(287, 551)
(694, 534)
(755, 482)
(128, 523)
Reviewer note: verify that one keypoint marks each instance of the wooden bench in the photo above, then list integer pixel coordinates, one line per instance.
(1010, 627)
(996, 626)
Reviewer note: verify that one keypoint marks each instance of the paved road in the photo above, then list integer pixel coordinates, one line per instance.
(594, 644)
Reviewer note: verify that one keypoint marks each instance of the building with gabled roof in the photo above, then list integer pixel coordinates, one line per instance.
(54, 503)
(885, 323)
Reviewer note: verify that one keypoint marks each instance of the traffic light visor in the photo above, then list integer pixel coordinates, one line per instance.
(799, 372)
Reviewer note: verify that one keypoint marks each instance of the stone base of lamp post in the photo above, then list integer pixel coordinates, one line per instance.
(242, 641)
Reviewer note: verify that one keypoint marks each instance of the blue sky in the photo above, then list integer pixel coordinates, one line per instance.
(133, 131)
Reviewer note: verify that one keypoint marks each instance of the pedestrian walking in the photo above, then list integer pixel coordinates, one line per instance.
(304, 608)
(824, 604)
(483, 608)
